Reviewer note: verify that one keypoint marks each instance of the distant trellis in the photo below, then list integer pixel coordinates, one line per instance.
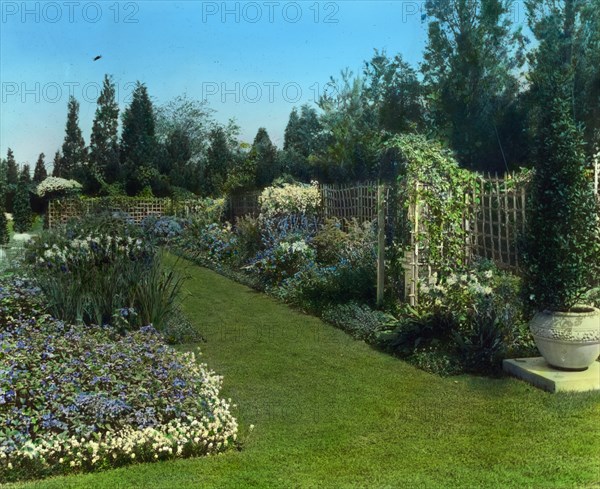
(343, 201)
(60, 211)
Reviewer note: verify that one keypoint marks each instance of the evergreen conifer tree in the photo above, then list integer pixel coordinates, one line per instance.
(40, 173)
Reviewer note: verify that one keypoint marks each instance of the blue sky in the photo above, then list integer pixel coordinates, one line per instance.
(252, 61)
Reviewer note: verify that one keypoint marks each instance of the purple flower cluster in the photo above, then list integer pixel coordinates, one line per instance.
(85, 381)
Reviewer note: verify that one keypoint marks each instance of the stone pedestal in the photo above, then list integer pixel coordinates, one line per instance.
(537, 372)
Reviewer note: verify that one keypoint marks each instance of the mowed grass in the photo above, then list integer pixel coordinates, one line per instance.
(330, 412)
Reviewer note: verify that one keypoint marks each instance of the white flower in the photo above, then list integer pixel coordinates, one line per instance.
(55, 184)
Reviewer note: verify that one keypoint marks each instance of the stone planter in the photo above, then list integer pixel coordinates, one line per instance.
(568, 340)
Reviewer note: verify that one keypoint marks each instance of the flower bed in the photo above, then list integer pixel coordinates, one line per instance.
(79, 398)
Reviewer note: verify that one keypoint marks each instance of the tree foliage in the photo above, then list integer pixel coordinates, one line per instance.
(4, 236)
(22, 215)
(563, 240)
(577, 23)
(264, 156)
(12, 170)
(74, 153)
(350, 130)
(139, 148)
(25, 175)
(469, 69)
(104, 142)
(392, 86)
(39, 172)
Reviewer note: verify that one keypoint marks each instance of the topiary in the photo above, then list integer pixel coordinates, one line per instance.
(562, 246)
(22, 215)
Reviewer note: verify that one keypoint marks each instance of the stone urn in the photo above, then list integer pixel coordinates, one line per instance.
(568, 340)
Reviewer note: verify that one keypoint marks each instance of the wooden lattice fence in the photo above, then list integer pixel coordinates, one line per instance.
(497, 219)
(351, 201)
(60, 211)
(342, 201)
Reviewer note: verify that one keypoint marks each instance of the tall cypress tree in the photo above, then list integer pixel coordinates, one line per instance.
(291, 137)
(40, 173)
(264, 153)
(219, 160)
(25, 175)
(138, 141)
(12, 170)
(104, 144)
(73, 149)
(57, 168)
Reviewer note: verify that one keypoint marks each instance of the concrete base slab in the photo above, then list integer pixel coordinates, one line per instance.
(537, 372)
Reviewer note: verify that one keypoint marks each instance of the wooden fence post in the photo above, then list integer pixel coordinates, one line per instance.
(380, 243)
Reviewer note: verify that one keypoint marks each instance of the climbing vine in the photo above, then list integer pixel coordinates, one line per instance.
(430, 180)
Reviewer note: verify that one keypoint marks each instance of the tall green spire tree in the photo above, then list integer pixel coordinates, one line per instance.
(12, 170)
(469, 69)
(219, 160)
(561, 261)
(25, 175)
(104, 143)
(57, 168)
(39, 172)
(264, 154)
(291, 136)
(138, 141)
(73, 148)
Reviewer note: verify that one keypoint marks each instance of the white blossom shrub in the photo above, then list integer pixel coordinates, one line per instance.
(57, 186)
(290, 199)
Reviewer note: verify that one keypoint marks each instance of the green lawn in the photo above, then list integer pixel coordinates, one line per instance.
(330, 411)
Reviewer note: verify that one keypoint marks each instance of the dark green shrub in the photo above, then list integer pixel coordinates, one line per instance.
(4, 236)
(415, 330)
(563, 238)
(22, 216)
(483, 349)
